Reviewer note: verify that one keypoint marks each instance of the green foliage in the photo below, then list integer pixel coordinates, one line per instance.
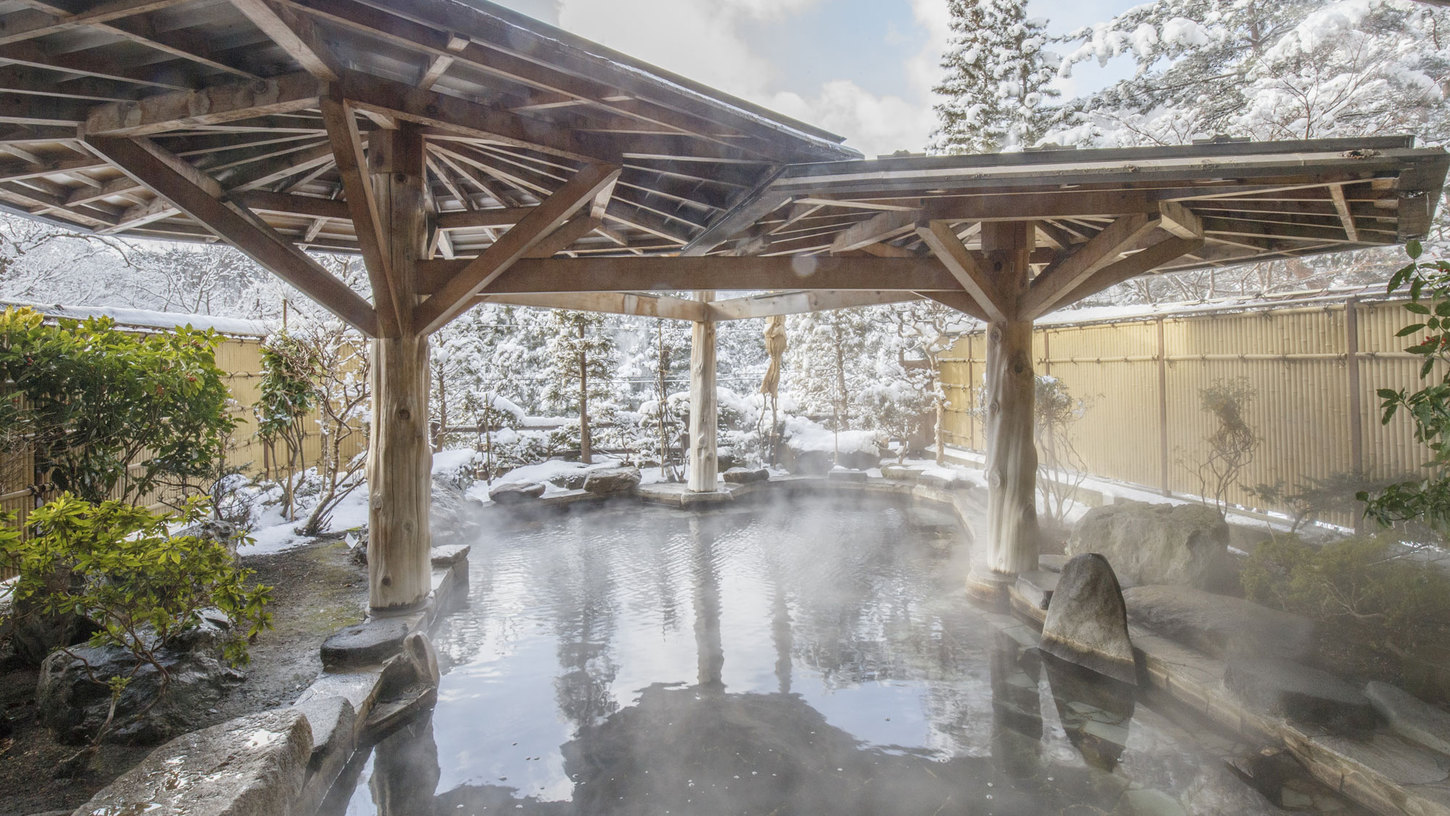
(93, 400)
(287, 393)
(1365, 583)
(135, 580)
(1427, 499)
(120, 567)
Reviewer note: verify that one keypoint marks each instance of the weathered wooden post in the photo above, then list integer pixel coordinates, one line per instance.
(1011, 450)
(701, 461)
(399, 456)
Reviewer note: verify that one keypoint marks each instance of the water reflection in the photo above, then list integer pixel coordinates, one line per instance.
(789, 659)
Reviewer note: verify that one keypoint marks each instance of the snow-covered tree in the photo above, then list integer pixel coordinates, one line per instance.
(998, 79)
(582, 369)
(1291, 69)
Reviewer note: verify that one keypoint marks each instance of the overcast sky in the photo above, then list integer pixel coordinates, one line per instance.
(860, 68)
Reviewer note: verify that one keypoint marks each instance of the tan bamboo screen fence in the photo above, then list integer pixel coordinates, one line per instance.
(22, 488)
(1312, 366)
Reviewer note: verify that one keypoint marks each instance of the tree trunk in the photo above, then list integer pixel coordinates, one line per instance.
(702, 464)
(1011, 454)
(586, 447)
(399, 461)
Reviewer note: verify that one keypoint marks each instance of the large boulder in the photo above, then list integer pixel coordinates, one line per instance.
(73, 697)
(1183, 544)
(612, 481)
(1219, 625)
(1306, 695)
(516, 492)
(452, 516)
(1086, 622)
(250, 766)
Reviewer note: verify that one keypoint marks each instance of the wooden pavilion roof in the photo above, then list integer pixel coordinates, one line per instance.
(252, 120)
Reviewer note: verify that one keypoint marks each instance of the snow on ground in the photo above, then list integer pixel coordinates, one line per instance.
(273, 534)
(804, 435)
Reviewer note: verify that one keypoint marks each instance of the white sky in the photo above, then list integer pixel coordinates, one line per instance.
(859, 68)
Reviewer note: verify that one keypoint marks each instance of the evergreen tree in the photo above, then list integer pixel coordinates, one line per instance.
(582, 370)
(997, 85)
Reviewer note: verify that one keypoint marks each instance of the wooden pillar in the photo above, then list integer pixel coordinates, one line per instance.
(400, 458)
(702, 462)
(1011, 451)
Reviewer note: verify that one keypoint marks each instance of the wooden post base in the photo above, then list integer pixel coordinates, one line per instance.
(1012, 536)
(702, 463)
(400, 486)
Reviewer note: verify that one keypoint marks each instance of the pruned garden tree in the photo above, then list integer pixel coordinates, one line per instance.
(582, 371)
(287, 393)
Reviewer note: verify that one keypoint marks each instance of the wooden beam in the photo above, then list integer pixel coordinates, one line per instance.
(453, 297)
(1142, 262)
(789, 303)
(877, 228)
(961, 301)
(624, 303)
(1341, 206)
(215, 105)
(1057, 282)
(1176, 219)
(312, 206)
(498, 217)
(702, 457)
(990, 206)
(368, 92)
(715, 272)
(564, 237)
(362, 206)
(200, 196)
(965, 267)
(293, 33)
(31, 25)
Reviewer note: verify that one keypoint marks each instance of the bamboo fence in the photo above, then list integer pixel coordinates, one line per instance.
(1312, 368)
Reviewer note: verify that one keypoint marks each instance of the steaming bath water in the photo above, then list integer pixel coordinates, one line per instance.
(812, 657)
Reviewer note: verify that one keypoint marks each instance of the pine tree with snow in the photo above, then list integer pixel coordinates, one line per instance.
(582, 370)
(997, 87)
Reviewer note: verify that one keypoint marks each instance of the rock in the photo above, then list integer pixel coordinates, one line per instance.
(905, 474)
(1086, 622)
(364, 644)
(449, 554)
(408, 686)
(1157, 543)
(1051, 562)
(939, 481)
(1037, 586)
(573, 480)
(809, 463)
(612, 481)
(1286, 689)
(516, 492)
(725, 461)
(859, 460)
(1219, 625)
(224, 533)
(745, 475)
(74, 701)
(333, 721)
(1095, 711)
(452, 515)
(250, 766)
(1410, 717)
(842, 475)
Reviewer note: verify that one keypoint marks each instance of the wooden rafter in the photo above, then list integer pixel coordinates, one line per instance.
(454, 296)
(217, 104)
(965, 267)
(1057, 283)
(624, 303)
(293, 33)
(789, 303)
(200, 197)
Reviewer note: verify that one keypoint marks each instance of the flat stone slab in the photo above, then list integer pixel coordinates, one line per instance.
(1411, 717)
(450, 554)
(905, 474)
(1086, 623)
(364, 644)
(516, 492)
(847, 476)
(1037, 587)
(612, 481)
(1219, 625)
(1306, 695)
(740, 475)
(250, 766)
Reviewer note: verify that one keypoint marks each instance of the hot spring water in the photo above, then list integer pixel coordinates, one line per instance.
(812, 657)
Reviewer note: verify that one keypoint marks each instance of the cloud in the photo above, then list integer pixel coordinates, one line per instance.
(703, 40)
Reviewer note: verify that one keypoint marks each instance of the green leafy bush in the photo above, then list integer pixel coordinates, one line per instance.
(120, 567)
(112, 414)
(1367, 584)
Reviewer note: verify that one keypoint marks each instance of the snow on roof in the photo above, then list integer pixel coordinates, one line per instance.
(147, 319)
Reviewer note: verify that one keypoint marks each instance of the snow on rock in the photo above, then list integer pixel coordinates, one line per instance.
(805, 435)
